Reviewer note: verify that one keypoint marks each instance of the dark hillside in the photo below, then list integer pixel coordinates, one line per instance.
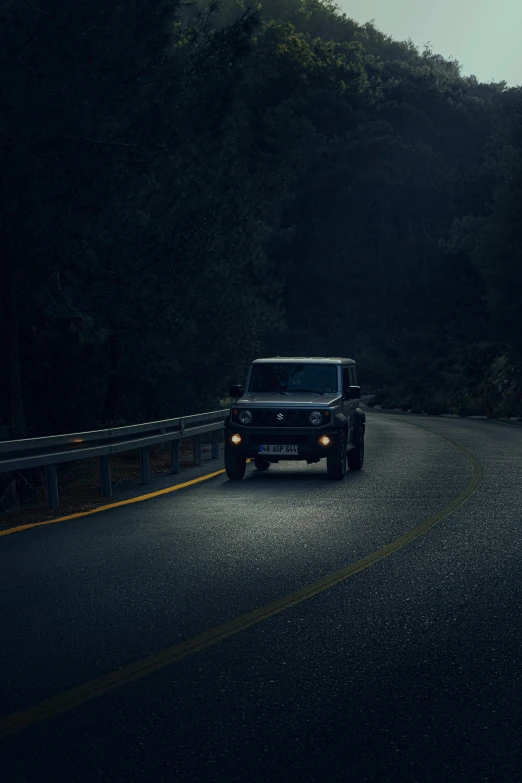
(184, 190)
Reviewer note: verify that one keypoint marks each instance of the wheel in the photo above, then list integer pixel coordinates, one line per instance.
(336, 460)
(356, 455)
(235, 465)
(261, 464)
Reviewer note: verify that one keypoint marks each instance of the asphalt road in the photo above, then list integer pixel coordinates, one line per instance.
(409, 670)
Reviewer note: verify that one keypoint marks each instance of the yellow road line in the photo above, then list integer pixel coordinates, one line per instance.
(82, 694)
(117, 504)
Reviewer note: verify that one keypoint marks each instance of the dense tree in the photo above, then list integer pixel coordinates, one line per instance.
(117, 158)
(492, 235)
(183, 187)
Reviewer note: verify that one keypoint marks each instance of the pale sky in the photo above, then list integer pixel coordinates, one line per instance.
(485, 36)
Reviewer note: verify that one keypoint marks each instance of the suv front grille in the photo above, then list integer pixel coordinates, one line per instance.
(272, 418)
(268, 417)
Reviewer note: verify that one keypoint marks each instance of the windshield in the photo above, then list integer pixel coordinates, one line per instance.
(286, 378)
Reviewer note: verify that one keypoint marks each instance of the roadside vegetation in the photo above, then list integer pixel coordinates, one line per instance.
(186, 187)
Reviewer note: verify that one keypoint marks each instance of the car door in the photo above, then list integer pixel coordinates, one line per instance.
(353, 382)
(348, 406)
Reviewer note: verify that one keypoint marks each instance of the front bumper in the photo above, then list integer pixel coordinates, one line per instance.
(307, 441)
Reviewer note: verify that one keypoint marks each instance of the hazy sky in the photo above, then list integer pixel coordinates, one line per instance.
(485, 36)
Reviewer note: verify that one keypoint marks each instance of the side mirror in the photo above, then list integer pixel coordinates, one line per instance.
(353, 393)
(236, 391)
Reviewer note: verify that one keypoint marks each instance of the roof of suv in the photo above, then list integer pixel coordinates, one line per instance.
(325, 359)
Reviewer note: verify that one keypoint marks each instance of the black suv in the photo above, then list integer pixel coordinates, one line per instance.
(296, 409)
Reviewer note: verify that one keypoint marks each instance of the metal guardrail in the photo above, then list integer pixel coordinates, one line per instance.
(49, 452)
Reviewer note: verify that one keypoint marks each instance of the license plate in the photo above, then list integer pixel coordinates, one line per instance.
(281, 450)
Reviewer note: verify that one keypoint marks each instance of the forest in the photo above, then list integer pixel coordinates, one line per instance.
(185, 187)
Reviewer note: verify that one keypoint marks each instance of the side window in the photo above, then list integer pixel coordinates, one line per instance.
(346, 379)
(353, 377)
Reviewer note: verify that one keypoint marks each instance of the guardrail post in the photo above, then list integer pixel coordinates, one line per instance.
(196, 448)
(105, 476)
(215, 445)
(51, 486)
(145, 464)
(174, 456)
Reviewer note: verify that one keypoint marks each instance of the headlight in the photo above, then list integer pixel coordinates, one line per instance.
(245, 417)
(315, 417)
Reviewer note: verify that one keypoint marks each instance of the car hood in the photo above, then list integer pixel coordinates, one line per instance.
(268, 400)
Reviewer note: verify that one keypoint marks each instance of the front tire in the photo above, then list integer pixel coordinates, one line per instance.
(235, 465)
(261, 464)
(356, 455)
(336, 460)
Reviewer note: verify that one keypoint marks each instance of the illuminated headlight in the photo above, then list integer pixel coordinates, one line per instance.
(315, 417)
(245, 417)
(236, 439)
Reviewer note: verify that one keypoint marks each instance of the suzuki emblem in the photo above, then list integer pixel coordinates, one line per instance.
(280, 417)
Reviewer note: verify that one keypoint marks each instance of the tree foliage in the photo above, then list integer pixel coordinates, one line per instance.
(185, 186)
